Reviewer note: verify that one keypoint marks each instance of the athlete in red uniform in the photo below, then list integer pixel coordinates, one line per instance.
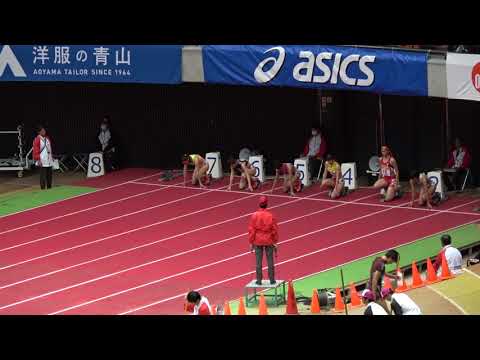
(247, 172)
(291, 177)
(389, 175)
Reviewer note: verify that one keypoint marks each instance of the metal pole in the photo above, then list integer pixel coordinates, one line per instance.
(447, 128)
(321, 108)
(343, 289)
(380, 115)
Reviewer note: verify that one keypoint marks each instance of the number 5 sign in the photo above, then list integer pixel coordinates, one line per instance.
(95, 165)
(302, 167)
(349, 174)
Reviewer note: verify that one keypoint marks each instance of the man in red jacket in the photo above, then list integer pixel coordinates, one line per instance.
(42, 154)
(315, 150)
(263, 235)
(459, 161)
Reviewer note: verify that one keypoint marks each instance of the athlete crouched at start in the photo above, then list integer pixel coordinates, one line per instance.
(427, 195)
(332, 178)
(199, 172)
(246, 172)
(291, 177)
(388, 180)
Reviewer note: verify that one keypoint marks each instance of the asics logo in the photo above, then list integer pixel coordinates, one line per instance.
(265, 76)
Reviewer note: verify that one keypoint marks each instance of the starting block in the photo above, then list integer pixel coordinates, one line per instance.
(278, 296)
(258, 163)
(301, 165)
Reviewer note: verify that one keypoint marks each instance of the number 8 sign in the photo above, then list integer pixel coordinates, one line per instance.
(95, 165)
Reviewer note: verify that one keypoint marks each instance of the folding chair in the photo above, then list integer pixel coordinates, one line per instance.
(465, 180)
(320, 171)
(61, 162)
(82, 161)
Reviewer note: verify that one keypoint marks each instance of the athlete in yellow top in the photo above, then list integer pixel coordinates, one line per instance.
(332, 177)
(199, 172)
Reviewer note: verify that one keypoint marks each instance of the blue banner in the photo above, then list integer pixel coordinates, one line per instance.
(328, 67)
(158, 64)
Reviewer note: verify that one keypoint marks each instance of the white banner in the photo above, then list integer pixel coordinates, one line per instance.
(463, 76)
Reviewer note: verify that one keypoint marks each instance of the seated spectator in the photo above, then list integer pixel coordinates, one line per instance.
(452, 255)
(401, 303)
(106, 145)
(459, 160)
(368, 298)
(197, 304)
(315, 150)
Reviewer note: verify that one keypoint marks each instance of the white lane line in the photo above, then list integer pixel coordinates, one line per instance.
(153, 243)
(471, 273)
(344, 201)
(126, 232)
(248, 273)
(83, 210)
(145, 264)
(77, 196)
(438, 292)
(102, 222)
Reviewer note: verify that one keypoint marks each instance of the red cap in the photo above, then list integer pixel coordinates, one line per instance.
(263, 200)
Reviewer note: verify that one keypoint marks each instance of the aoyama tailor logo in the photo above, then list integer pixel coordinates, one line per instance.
(8, 58)
(325, 67)
(476, 77)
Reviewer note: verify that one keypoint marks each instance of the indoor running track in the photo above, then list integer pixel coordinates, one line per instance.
(138, 245)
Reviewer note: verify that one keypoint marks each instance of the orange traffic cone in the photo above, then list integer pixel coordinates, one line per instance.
(339, 305)
(291, 301)
(417, 279)
(315, 306)
(226, 309)
(354, 298)
(431, 273)
(404, 286)
(387, 283)
(446, 274)
(214, 310)
(262, 306)
(241, 308)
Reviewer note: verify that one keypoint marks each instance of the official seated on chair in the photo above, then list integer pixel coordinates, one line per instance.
(106, 144)
(315, 150)
(459, 161)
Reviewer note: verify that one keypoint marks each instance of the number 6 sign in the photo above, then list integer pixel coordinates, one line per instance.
(257, 162)
(95, 165)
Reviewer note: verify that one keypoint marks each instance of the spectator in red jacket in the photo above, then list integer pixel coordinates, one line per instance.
(459, 160)
(197, 304)
(315, 150)
(263, 235)
(42, 154)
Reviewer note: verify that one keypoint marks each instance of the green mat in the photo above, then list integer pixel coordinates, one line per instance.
(358, 270)
(24, 200)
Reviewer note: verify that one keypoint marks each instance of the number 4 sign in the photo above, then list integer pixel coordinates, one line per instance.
(95, 165)
(349, 174)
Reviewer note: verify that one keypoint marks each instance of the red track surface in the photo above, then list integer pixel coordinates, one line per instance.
(138, 248)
